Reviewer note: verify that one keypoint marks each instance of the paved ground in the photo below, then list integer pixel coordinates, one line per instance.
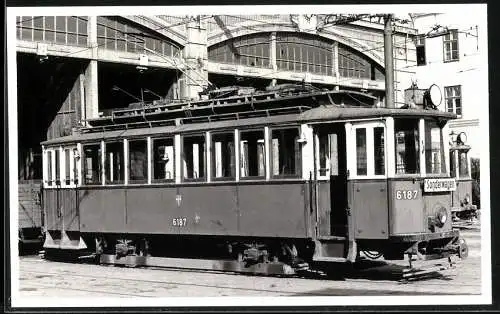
(46, 278)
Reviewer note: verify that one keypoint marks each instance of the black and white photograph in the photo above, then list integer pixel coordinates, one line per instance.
(285, 155)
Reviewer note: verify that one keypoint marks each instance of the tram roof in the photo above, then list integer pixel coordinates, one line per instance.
(328, 113)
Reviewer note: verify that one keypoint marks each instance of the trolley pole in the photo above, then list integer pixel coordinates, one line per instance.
(389, 62)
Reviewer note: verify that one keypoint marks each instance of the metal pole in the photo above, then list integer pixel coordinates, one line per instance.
(389, 65)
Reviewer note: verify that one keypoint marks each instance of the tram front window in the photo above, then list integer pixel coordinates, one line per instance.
(434, 149)
(463, 164)
(453, 164)
(407, 146)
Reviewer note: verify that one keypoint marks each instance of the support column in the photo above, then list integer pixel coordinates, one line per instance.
(195, 78)
(389, 59)
(91, 91)
(272, 53)
(91, 77)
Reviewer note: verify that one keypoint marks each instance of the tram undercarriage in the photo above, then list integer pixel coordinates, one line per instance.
(260, 256)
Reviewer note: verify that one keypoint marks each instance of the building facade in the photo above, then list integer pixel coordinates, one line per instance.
(451, 55)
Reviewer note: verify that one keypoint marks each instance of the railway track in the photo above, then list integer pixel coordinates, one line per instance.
(367, 267)
(45, 273)
(99, 280)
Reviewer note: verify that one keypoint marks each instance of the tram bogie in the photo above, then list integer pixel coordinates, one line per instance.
(299, 185)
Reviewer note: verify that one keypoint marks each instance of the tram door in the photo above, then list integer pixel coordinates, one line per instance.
(331, 176)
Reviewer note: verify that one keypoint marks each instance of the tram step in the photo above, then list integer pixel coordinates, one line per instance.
(331, 238)
(329, 259)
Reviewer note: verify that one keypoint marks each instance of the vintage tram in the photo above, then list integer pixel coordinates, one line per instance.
(275, 181)
(463, 207)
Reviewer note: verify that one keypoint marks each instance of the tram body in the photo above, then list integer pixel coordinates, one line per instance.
(317, 186)
(463, 206)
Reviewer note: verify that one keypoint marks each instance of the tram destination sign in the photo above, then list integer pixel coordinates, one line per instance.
(439, 185)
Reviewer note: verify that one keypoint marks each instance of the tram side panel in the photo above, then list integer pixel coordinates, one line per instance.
(273, 210)
(370, 210)
(51, 210)
(406, 207)
(103, 210)
(205, 210)
(414, 211)
(257, 210)
(151, 210)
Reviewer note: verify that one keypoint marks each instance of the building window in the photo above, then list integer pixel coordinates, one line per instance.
(194, 157)
(453, 99)
(163, 159)
(285, 152)
(252, 161)
(116, 33)
(304, 53)
(138, 161)
(223, 156)
(92, 164)
(420, 46)
(407, 146)
(248, 50)
(450, 45)
(66, 30)
(114, 163)
(361, 156)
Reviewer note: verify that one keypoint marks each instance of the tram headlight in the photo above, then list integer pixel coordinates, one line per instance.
(441, 217)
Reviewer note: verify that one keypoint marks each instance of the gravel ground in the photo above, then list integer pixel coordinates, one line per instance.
(46, 278)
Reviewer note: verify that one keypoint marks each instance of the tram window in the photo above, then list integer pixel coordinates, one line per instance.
(378, 150)
(434, 154)
(58, 166)
(361, 155)
(50, 179)
(453, 165)
(328, 154)
(138, 161)
(285, 152)
(163, 159)
(223, 156)
(76, 158)
(252, 161)
(406, 139)
(114, 162)
(194, 157)
(67, 165)
(92, 164)
(463, 168)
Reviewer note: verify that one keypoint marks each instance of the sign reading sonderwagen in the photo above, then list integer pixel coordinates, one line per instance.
(439, 185)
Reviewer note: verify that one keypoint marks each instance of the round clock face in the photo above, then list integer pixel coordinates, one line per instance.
(435, 95)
